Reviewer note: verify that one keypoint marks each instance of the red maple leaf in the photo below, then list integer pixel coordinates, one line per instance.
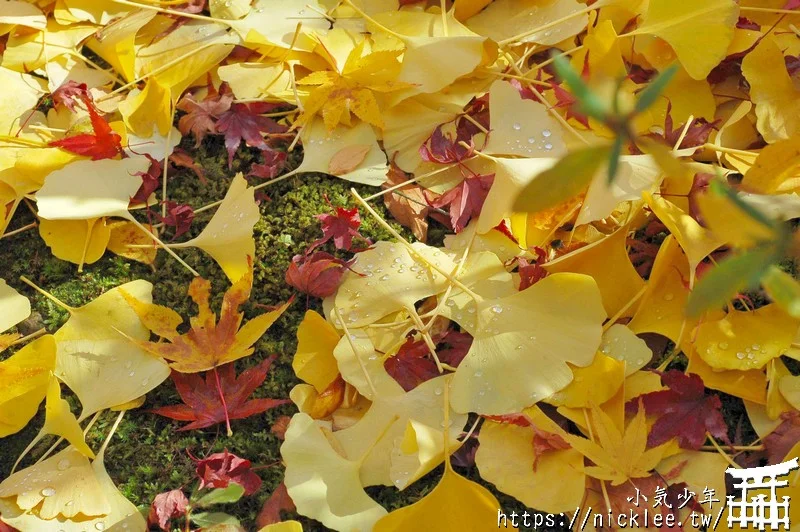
(465, 200)
(150, 181)
(411, 366)
(317, 275)
(781, 440)
(456, 344)
(180, 216)
(276, 503)
(684, 412)
(103, 144)
(531, 272)
(243, 122)
(274, 161)
(341, 227)
(69, 93)
(565, 99)
(220, 469)
(202, 403)
(444, 149)
(166, 507)
(201, 116)
(696, 135)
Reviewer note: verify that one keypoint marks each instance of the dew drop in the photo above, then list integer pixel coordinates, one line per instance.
(548, 146)
(100, 525)
(63, 465)
(385, 277)
(301, 12)
(723, 345)
(639, 361)
(48, 492)
(69, 503)
(740, 355)
(531, 140)
(131, 374)
(145, 382)
(478, 373)
(517, 126)
(438, 391)
(497, 309)
(519, 347)
(546, 133)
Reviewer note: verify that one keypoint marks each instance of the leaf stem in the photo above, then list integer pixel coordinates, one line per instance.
(224, 404)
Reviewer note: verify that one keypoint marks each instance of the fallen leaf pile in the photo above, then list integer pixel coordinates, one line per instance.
(617, 183)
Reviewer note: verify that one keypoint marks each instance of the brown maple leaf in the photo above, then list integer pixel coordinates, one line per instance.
(201, 115)
(210, 342)
(407, 204)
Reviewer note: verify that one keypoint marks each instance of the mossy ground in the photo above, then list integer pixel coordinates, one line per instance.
(148, 455)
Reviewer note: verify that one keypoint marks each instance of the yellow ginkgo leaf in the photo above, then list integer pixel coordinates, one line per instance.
(746, 340)
(608, 263)
(91, 189)
(283, 526)
(228, 236)
(147, 109)
(789, 387)
(454, 504)
(115, 42)
(59, 420)
(696, 241)
(661, 307)
(17, 13)
(320, 146)
(524, 342)
(739, 132)
(427, 41)
(594, 384)
(728, 222)
(511, 177)
(602, 53)
(313, 361)
(506, 458)
(521, 127)
(749, 385)
(776, 169)
(77, 241)
(513, 20)
(15, 307)
(697, 469)
(772, 91)
(20, 94)
(58, 488)
(94, 11)
(323, 484)
(621, 343)
(699, 32)
(177, 57)
(27, 51)
(406, 126)
(274, 22)
(125, 234)
(617, 456)
(24, 378)
(94, 346)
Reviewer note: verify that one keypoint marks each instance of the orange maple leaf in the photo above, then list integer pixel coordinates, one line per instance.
(210, 342)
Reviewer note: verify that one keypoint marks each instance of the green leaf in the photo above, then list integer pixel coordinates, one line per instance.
(613, 159)
(588, 102)
(569, 176)
(232, 493)
(210, 519)
(783, 289)
(651, 93)
(732, 276)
